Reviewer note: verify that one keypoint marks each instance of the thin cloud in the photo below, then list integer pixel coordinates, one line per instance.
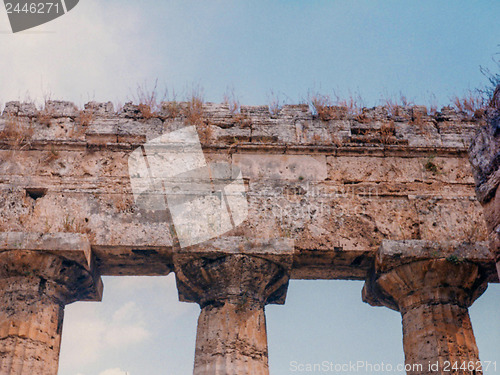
(77, 57)
(91, 334)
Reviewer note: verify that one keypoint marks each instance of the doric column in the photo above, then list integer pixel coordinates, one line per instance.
(432, 286)
(36, 282)
(232, 279)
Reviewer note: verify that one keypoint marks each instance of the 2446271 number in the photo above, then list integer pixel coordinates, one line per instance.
(33, 8)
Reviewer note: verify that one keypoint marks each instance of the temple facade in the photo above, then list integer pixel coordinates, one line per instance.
(384, 194)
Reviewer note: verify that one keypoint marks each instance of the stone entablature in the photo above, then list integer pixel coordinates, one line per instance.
(337, 186)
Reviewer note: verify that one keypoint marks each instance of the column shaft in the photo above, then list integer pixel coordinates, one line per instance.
(30, 328)
(436, 334)
(231, 339)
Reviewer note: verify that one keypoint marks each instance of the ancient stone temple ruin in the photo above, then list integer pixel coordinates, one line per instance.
(385, 195)
(485, 160)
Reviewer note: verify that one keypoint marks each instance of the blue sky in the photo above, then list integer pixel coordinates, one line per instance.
(426, 50)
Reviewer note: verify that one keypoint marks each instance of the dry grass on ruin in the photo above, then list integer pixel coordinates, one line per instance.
(394, 106)
(45, 116)
(149, 100)
(171, 109)
(194, 116)
(85, 118)
(472, 104)
(388, 132)
(327, 109)
(232, 103)
(275, 104)
(17, 131)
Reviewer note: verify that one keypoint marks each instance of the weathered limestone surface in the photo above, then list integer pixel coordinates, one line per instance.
(231, 339)
(432, 292)
(484, 155)
(35, 285)
(337, 186)
(232, 285)
(332, 188)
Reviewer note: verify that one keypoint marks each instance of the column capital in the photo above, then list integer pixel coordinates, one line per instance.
(433, 281)
(63, 261)
(417, 271)
(234, 269)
